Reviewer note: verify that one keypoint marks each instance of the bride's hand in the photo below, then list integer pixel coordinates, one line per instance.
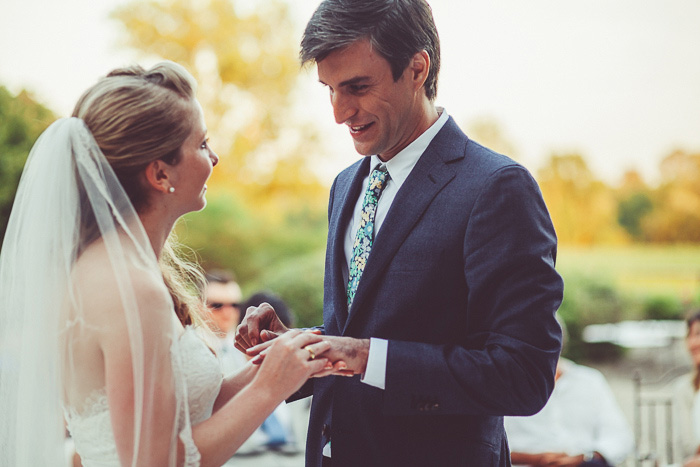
(291, 359)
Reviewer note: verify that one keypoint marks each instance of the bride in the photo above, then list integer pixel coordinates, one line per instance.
(97, 314)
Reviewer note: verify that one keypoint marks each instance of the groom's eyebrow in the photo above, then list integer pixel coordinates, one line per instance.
(355, 80)
(349, 82)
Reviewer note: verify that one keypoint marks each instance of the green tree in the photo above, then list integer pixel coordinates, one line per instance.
(631, 212)
(22, 120)
(634, 203)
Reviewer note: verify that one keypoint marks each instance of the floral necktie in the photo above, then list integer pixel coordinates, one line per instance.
(365, 232)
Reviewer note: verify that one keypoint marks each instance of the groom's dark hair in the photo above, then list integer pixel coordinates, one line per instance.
(397, 30)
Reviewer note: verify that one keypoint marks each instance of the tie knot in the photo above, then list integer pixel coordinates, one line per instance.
(378, 178)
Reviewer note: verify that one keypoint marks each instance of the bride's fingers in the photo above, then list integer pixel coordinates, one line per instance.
(255, 350)
(327, 370)
(306, 338)
(258, 359)
(316, 349)
(317, 365)
(240, 347)
(268, 335)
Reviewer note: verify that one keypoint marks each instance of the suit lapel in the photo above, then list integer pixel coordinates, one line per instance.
(430, 175)
(346, 193)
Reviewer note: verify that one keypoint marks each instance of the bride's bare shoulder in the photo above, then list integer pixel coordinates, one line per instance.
(103, 282)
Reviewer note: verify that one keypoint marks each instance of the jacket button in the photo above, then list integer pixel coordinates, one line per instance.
(325, 430)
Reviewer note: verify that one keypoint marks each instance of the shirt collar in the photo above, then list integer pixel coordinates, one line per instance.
(401, 165)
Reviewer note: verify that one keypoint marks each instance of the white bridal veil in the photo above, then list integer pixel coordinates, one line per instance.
(74, 240)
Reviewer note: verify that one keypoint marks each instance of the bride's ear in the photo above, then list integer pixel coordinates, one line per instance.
(157, 176)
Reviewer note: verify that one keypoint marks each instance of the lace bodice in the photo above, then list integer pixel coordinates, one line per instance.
(91, 429)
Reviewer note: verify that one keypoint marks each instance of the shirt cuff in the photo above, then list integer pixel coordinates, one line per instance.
(375, 374)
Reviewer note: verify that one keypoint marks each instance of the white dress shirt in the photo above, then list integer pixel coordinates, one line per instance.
(399, 168)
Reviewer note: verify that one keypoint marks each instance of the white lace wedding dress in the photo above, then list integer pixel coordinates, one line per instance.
(91, 428)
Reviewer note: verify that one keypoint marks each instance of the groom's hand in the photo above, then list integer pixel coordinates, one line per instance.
(353, 353)
(260, 324)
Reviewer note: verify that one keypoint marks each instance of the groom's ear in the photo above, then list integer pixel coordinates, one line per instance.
(156, 174)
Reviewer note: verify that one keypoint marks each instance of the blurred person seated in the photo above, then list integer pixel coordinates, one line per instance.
(687, 396)
(581, 424)
(223, 298)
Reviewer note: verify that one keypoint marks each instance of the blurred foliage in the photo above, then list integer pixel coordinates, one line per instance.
(630, 212)
(586, 211)
(230, 234)
(300, 281)
(589, 300)
(675, 217)
(22, 120)
(583, 209)
(663, 307)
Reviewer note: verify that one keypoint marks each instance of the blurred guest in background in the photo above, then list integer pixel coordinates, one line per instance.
(277, 431)
(224, 300)
(581, 424)
(223, 297)
(687, 400)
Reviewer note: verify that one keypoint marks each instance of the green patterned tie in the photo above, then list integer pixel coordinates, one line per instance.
(365, 232)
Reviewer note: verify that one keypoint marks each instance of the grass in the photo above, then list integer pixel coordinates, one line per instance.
(638, 270)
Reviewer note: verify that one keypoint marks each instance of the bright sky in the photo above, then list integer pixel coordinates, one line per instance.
(617, 81)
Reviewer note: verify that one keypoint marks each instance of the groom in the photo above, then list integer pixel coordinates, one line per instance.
(440, 288)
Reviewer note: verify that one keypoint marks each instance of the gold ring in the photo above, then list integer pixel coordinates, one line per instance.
(312, 355)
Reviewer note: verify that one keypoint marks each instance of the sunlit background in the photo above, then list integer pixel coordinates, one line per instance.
(599, 99)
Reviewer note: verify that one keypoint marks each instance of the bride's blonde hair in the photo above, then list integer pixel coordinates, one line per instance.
(138, 116)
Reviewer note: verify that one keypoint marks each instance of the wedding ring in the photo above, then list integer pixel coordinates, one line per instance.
(312, 355)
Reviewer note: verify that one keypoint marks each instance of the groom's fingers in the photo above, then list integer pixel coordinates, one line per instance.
(259, 351)
(250, 328)
(256, 321)
(338, 368)
(267, 335)
(239, 346)
(317, 348)
(241, 338)
(248, 332)
(305, 338)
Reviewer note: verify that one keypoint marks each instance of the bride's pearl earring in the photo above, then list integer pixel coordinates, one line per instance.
(171, 189)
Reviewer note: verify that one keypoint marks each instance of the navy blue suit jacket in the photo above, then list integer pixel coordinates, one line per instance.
(461, 282)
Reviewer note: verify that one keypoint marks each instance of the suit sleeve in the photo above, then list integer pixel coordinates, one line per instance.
(506, 361)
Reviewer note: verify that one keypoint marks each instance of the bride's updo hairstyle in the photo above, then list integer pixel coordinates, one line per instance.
(138, 116)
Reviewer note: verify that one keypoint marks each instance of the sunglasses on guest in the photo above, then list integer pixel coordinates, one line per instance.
(218, 305)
